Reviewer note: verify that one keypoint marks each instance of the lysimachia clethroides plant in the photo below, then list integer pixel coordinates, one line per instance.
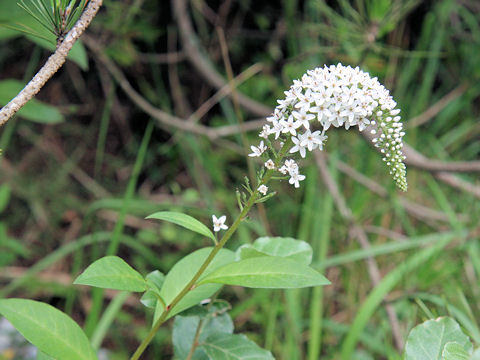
(324, 98)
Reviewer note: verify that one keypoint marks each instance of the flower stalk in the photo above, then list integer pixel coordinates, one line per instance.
(228, 234)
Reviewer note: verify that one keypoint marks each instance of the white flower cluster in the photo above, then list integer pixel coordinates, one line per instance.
(339, 96)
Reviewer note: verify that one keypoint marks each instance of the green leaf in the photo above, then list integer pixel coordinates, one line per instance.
(231, 347)
(455, 351)
(216, 320)
(43, 356)
(185, 221)
(267, 272)
(247, 251)
(183, 271)
(49, 329)
(290, 248)
(476, 354)
(427, 340)
(111, 272)
(149, 299)
(154, 282)
(34, 110)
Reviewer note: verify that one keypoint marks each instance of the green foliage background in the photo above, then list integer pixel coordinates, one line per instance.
(79, 189)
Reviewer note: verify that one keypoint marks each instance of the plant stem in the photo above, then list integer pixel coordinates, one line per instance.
(195, 339)
(191, 284)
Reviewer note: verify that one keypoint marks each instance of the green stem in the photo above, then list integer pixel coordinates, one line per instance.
(251, 201)
(195, 339)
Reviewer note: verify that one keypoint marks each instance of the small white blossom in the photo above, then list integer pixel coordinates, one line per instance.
(303, 101)
(312, 140)
(269, 164)
(295, 178)
(290, 166)
(257, 151)
(363, 123)
(283, 104)
(277, 129)
(265, 132)
(262, 189)
(303, 118)
(219, 224)
(298, 146)
(290, 125)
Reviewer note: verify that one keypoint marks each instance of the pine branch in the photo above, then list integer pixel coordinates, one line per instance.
(54, 62)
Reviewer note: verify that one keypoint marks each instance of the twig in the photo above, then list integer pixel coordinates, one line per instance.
(232, 82)
(458, 183)
(415, 209)
(358, 232)
(385, 232)
(167, 120)
(206, 11)
(167, 58)
(81, 176)
(202, 64)
(441, 170)
(226, 90)
(433, 110)
(181, 105)
(54, 62)
(416, 159)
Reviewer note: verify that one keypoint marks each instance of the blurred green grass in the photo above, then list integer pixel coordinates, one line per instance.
(74, 187)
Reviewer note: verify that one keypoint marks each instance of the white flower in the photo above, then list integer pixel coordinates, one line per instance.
(290, 166)
(269, 164)
(350, 112)
(290, 125)
(283, 104)
(362, 123)
(295, 178)
(336, 119)
(219, 224)
(262, 189)
(313, 140)
(257, 151)
(265, 132)
(303, 118)
(277, 129)
(322, 95)
(319, 139)
(277, 115)
(304, 101)
(298, 146)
